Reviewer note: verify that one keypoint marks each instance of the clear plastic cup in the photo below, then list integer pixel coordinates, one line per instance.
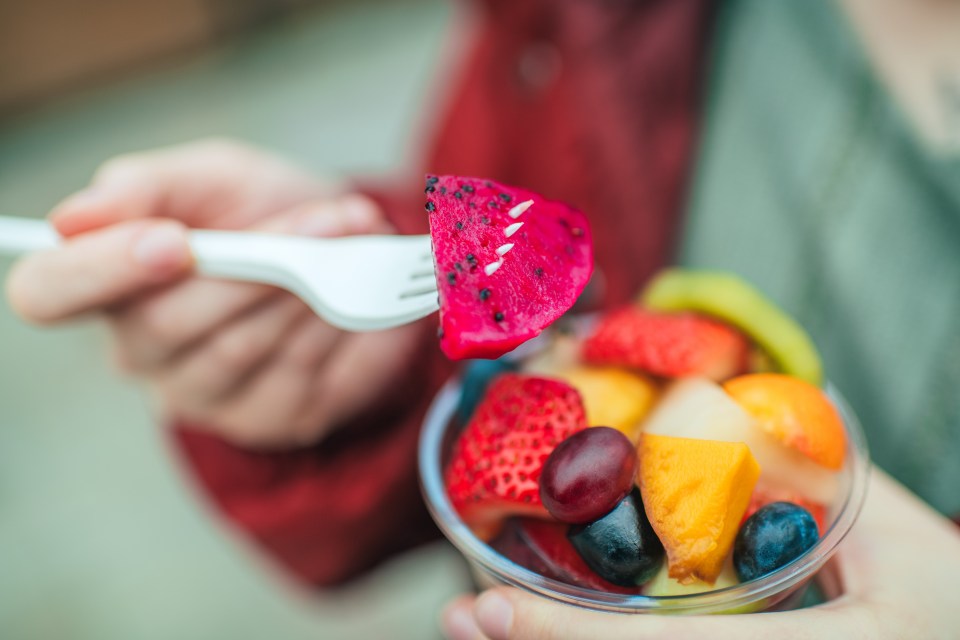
(781, 590)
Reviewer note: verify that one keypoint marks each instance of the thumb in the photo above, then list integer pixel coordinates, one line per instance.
(99, 268)
(348, 215)
(126, 188)
(510, 614)
(207, 183)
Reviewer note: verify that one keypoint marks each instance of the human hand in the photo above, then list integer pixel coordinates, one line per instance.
(898, 568)
(249, 361)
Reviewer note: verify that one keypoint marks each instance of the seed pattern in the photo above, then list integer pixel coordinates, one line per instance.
(515, 212)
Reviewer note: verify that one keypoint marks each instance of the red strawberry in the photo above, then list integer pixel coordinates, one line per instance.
(672, 345)
(496, 462)
(543, 547)
(764, 495)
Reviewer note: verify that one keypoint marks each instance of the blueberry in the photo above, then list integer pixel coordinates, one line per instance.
(621, 547)
(477, 375)
(774, 536)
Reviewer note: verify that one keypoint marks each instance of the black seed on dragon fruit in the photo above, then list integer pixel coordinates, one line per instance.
(536, 278)
(431, 180)
(430, 206)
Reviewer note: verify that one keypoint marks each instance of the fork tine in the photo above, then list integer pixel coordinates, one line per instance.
(414, 293)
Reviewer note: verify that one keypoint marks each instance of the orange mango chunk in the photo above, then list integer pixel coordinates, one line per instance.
(612, 397)
(795, 412)
(695, 493)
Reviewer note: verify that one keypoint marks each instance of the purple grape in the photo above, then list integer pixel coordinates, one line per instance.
(588, 474)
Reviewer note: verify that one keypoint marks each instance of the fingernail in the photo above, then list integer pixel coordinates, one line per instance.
(89, 198)
(494, 615)
(457, 623)
(81, 200)
(321, 223)
(162, 247)
(357, 210)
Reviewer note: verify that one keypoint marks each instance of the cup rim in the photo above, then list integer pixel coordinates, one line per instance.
(727, 599)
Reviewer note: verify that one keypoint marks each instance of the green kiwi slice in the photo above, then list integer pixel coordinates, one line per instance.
(729, 298)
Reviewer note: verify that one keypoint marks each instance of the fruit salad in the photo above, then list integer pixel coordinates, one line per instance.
(681, 444)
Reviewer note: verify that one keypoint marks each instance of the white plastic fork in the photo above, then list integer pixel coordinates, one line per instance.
(356, 283)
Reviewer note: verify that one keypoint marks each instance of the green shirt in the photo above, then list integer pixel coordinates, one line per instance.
(811, 185)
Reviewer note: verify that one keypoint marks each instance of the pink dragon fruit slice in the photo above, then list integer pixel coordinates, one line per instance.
(508, 263)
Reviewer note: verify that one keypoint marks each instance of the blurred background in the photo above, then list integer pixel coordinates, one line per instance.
(100, 535)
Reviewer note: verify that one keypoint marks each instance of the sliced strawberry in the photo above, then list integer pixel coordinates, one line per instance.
(671, 345)
(496, 462)
(764, 495)
(543, 547)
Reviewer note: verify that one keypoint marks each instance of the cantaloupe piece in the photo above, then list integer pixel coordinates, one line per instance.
(612, 397)
(795, 412)
(695, 493)
(700, 408)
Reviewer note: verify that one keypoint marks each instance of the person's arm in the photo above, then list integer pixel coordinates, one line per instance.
(248, 367)
(898, 570)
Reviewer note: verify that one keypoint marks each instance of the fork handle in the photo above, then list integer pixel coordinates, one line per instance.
(238, 255)
(223, 254)
(23, 235)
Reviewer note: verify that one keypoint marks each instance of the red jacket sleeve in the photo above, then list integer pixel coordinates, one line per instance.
(331, 511)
